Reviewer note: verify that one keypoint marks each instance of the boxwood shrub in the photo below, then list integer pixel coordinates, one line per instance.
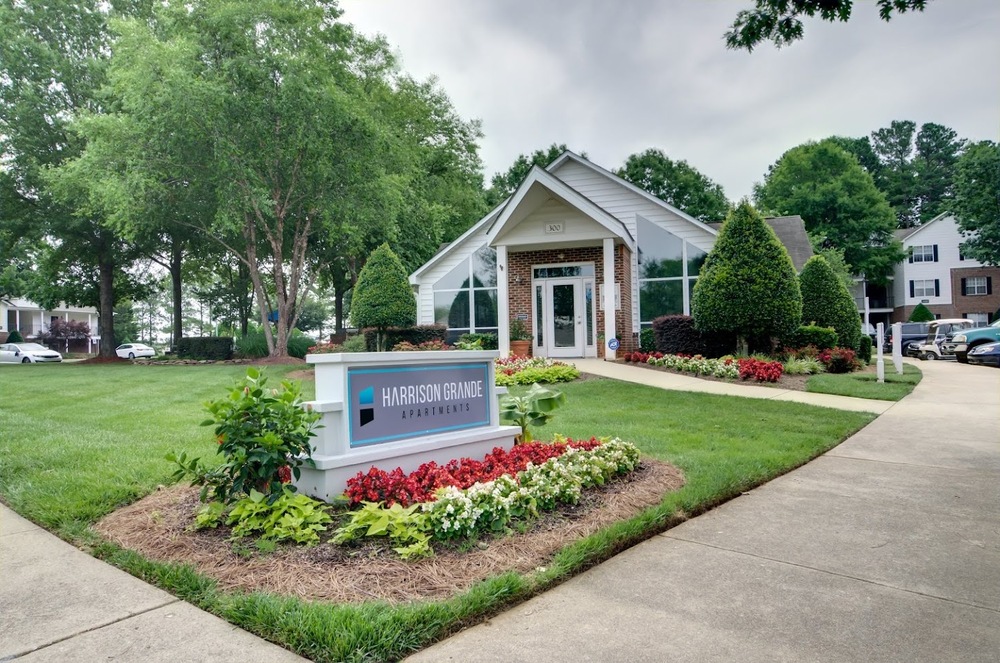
(205, 347)
(676, 335)
(823, 338)
(415, 335)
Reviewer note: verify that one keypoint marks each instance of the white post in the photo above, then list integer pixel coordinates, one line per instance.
(897, 347)
(880, 363)
(609, 297)
(867, 313)
(503, 303)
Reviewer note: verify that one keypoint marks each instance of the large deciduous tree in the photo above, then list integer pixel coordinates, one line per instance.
(779, 20)
(837, 200)
(826, 302)
(747, 286)
(977, 201)
(677, 183)
(53, 58)
(503, 184)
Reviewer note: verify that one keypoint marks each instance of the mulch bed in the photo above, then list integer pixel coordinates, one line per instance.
(157, 527)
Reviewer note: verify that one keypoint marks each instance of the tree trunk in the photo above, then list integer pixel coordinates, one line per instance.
(106, 268)
(338, 310)
(175, 282)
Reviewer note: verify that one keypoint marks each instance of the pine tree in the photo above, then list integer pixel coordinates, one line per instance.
(747, 285)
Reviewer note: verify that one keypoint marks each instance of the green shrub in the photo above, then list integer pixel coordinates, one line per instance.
(531, 375)
(676, 335)
(822, 338)
(921, 314)
(382, 297)
(747, 286)
(486, 341)
(15, 337)
(827, 303)
(254, 345)
(290, 517)
(393, 336)
(205, 347)
(647, 340)
(355, 343)
(865, 349)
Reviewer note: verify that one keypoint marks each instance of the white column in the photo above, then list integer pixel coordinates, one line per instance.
(503, 303)
(609, 287)
(897, 347)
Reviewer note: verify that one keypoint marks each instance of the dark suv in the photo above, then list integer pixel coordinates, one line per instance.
(911, 331)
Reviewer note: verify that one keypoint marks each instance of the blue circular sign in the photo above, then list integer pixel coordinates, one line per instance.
(613, 344)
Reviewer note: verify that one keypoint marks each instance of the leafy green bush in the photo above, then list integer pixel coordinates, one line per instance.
(254, 345)
(921, 314)
(15, 337)
(355, 343)
(647, 340)
(205, 347)
(534, 408)
(865, 349)
(747, 286)
(531, 375)
(406, 526)
(393, 336)
(289, 517)
(486, 341)
(676, 335)
(823, 338)
(382, 297)
(827, 303)
(263, 435)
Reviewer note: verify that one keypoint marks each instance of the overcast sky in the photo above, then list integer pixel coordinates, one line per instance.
(613, 78)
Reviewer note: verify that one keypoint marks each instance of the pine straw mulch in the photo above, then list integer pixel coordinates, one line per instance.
(157, 527)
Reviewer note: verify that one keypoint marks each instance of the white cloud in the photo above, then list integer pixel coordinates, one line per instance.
(616, 78)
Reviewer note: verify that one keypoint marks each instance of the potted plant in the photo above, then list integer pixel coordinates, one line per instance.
(520, 339)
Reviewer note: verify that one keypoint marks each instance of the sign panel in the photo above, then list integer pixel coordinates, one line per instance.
(400, 402)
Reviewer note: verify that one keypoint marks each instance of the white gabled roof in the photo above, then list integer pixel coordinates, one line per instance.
(538, 177)
(576, 158)
(908, 233)
(415, 276)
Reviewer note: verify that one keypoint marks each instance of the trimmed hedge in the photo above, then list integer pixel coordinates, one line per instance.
(254, 345)
(647, 340)
(415, 335)
(676, 335)
(823, 338)
(205, 347)
(865, 349)
(488, 341)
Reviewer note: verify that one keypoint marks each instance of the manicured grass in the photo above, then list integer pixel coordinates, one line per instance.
(78, 441)
(865, 385)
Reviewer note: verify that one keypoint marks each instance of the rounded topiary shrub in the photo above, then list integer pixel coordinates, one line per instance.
(921, 314)
(15, 337)
(827, 303)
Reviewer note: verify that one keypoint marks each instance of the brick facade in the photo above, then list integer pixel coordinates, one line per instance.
(962, 304)
(521, 298)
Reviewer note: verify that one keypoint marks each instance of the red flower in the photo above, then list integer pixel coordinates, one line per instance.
(285, 474)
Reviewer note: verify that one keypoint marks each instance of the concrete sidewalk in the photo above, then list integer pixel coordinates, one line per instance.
(887, 548)
(60, 604)
(677, 382)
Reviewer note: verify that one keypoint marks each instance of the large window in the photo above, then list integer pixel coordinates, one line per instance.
(975, 285)
(465, 299)
(668, 268)
(924, 288)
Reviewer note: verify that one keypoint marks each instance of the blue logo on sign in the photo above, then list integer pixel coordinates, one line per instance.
(367, 397)
(613, 344)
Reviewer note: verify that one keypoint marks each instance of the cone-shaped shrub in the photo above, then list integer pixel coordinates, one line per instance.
(382, 296)
(921, 314)
(15, 337)
(747, 285)
(827, 303)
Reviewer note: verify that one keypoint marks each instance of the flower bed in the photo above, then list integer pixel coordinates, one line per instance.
(725, 368)
(481, 496)
(529, 370)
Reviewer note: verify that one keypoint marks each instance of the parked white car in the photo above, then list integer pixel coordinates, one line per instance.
(27, 353)
(133, 350)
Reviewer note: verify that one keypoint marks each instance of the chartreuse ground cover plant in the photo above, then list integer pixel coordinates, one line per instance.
(80, 450)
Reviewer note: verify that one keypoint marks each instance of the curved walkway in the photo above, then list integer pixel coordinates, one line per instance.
(887, 548)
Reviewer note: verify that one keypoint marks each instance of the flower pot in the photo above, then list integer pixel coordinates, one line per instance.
(520, 348)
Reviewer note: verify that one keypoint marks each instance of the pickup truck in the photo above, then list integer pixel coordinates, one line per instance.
(965, 340)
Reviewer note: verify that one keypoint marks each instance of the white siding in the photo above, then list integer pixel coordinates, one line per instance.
(576, 226)
(944, 233)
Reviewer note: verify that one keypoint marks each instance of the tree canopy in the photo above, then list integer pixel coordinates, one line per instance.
(748, 284)
(977, 201)
(677, 183)
(838, 200)
(503, 184)
(779, 21)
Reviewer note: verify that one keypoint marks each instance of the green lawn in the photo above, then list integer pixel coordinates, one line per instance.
(865, 385)
(77, 441)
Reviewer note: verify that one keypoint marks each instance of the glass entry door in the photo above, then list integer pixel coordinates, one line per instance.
(564, 328)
